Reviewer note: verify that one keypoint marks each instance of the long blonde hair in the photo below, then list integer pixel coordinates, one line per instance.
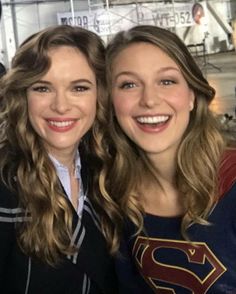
(198, 155)
(24, 163)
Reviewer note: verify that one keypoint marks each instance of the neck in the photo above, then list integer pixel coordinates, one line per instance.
(165, 167)
(66, 158)
(161, 197)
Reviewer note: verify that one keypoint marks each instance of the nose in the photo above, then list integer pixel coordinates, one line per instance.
(60, 102)
(150, 97)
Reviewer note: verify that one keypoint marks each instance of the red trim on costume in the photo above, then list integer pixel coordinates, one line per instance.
(227, 172)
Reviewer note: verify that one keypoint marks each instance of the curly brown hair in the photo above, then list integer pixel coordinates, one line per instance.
(22, 153)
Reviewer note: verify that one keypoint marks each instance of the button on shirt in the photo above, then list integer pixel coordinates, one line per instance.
(63, 174)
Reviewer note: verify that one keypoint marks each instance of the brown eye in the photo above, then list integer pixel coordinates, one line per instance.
(80, 88)
(40, 89)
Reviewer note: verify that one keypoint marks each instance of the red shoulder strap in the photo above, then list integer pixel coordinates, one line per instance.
(227, 172)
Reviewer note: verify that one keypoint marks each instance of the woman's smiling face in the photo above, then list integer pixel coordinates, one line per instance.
(151, 98)
(62, 104)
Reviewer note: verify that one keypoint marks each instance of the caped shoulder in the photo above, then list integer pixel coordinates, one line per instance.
(227, 171)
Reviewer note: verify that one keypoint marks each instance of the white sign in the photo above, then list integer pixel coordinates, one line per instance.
(110, 21)
(102, 21)
(167, 16)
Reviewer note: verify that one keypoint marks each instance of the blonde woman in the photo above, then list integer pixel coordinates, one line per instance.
(169, 177)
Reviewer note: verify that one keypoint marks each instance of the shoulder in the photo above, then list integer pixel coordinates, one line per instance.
(227, 171)
(10, 211)
(8, 198)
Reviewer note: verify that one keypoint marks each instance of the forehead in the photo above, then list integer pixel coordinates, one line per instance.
(68, 59)
(141, 55)
(65, 52)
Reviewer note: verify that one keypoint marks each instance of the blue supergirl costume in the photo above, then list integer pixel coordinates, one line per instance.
(165, 263)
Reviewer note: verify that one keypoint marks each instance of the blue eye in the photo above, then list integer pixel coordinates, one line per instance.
(167, 82)
(127, 85)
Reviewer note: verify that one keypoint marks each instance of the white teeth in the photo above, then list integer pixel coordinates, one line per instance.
(152, 119)
(60, 124)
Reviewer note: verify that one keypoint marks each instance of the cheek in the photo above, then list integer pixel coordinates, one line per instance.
(90, 105)
(36, 109)
(87, 109)
(117, 107)
(182, 101)
(32, 108)
(36, 104)
(92, 112)
(121, 106)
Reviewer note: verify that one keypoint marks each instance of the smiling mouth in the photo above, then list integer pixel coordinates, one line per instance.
(61, 124)
(153, 120)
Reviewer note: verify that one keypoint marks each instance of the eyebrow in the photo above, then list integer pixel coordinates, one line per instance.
(162, 69)
(82, 81)
(72, 82)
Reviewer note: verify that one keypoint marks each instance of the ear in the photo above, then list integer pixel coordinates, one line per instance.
(191, 100)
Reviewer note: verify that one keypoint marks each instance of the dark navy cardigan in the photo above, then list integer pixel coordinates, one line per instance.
(90, 271)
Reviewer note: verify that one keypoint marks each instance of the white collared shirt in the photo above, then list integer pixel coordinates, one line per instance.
(64, 176)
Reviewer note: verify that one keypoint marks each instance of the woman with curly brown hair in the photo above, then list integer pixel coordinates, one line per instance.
(51, 239)
(168, 178)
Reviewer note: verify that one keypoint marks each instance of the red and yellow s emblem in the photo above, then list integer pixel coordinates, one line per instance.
(147, 251)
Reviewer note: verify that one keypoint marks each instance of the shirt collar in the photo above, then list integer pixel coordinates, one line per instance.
(60, 167)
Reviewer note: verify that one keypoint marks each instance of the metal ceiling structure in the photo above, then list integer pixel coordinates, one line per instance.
(116, 11)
